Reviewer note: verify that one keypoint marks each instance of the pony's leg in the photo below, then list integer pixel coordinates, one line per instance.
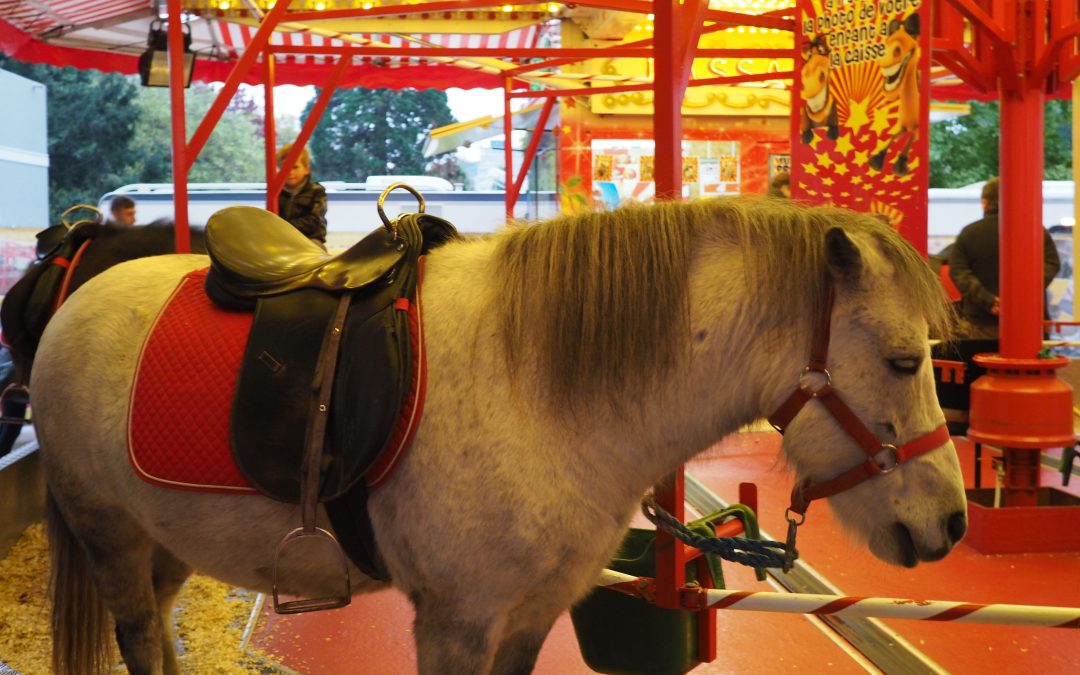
(518, 649)
(120, 556)
(450, 638)
(170, 573)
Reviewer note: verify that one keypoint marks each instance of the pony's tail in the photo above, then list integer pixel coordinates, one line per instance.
(81, 625)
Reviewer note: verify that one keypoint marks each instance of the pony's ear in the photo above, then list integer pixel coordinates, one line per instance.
(842, 255)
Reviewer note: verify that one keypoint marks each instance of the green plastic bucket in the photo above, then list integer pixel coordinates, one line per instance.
(624, 635)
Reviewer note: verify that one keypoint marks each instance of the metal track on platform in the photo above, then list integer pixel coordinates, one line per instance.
(881, 645)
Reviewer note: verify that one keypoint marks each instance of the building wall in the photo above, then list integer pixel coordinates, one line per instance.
(24, 154)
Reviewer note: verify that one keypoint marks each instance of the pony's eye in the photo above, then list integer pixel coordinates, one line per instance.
(905, 366)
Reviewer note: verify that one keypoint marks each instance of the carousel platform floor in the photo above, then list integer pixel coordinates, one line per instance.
(373, 635)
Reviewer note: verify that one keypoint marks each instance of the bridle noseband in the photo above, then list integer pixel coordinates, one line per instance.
(816, 383)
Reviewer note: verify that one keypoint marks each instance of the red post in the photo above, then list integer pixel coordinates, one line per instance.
(508, 148)
(1021, 230)
(316, 113)
(668, 92)
(513, 193)
(243, 65)
(270, 127)
(179, 133)
(671, 555)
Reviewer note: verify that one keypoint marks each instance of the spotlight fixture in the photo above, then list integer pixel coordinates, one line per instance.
(154, 62)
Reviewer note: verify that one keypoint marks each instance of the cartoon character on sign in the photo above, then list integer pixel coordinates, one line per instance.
(900, 69)
(819, 105)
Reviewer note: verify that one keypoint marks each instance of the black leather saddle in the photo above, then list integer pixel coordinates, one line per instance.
(329, 346)
(30, 303)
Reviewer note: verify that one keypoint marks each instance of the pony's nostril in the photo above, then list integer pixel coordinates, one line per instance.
(957, 527)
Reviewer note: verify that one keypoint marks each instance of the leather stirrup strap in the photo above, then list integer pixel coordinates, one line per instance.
(316, 433)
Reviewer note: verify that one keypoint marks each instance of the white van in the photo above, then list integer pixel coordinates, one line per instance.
(351, 207)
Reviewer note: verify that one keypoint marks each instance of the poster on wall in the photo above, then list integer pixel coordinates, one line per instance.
(860, 135)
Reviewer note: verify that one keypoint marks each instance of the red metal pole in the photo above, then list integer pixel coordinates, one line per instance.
(179, 132)
(270, 126)
(530, 152)
(1021, 230)
(310, 123)
(243, 65)
(668, 89)
(508, 149)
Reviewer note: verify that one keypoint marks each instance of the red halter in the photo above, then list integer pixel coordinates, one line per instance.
(883, 457)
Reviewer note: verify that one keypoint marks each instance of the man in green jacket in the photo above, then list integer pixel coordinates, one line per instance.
(974, 268)
(303, 201)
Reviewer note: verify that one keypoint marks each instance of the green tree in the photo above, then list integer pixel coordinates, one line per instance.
(964, 150)
(367, 132)
(91, 122)
(234, 152)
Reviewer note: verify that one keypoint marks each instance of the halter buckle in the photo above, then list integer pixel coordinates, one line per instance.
(886, 458)
(810, 380)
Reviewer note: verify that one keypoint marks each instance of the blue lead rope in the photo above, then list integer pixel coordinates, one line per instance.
(754, 553)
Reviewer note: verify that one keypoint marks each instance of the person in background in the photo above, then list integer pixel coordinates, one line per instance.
(780, 186)
(122, 212)
(302, 202)
(974, 268)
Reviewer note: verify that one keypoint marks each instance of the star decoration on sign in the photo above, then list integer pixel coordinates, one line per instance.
(857, 118)
(881, 121)
(843, 145)
(824, 160)
(810, 168)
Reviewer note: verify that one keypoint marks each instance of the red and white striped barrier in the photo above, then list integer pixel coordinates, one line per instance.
(884, 608)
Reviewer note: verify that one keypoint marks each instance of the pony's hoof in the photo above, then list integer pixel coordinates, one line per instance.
(900, 168)
(834, 132)
(807, 136)
(877, 161)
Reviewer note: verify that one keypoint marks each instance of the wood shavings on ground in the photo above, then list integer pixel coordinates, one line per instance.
(209, 618)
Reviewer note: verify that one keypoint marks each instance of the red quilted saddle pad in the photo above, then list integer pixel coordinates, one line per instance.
(178, 435)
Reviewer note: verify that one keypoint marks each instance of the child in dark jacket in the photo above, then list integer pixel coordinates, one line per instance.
(302, 202)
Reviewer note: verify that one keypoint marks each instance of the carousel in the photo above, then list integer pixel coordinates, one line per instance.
(558, 448)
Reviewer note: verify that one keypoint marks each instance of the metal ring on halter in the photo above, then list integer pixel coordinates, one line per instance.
(889, 461)
(391, 226)
(804, 376)
(97, 215)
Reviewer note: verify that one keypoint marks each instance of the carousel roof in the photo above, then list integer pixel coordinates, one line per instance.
(111, 34)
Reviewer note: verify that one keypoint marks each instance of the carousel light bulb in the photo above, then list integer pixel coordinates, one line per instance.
(649, 27)
(320, 6)
(650, 17)
(367, 5)
(553, 7)
(223, 5)
(507, 8)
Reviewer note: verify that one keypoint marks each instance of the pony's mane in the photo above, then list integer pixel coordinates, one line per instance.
(602, 299)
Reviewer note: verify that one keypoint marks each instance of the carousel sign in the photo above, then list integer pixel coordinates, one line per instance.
(860, 123)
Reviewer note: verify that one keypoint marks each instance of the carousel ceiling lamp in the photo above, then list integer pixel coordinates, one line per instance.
(154, 62)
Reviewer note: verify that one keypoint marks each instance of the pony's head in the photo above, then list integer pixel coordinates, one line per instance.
(689, 320)
(885, 302)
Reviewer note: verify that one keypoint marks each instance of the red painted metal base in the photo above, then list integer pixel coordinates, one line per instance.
(1050, 526)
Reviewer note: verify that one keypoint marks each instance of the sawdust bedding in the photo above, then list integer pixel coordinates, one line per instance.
(208, 621)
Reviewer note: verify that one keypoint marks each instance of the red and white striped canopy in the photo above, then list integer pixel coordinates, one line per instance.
(109, 35)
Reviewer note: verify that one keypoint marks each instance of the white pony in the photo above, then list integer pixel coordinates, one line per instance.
(571, 364)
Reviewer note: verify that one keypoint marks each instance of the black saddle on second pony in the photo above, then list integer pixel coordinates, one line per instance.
(300, 294)
(30, 303)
